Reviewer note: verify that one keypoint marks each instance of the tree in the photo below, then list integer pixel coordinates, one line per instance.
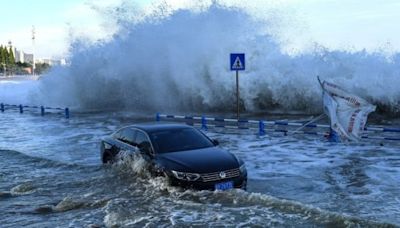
(1, 55)
(42, 68)
(21, 68)
(11, 59)
(3, 58)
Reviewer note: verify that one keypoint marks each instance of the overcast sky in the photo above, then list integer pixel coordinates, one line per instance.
(335, 24)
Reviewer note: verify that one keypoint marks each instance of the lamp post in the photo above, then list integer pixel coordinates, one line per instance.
(33, 50)
(10, 50)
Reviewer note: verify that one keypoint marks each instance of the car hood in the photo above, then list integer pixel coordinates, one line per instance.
(206, 160)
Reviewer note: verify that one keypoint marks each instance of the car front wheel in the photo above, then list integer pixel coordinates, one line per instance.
(108, 158)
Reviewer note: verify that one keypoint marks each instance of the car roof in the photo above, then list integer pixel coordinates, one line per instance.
(157, 126)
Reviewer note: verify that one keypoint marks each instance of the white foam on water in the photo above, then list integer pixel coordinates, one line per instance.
(23, 189)
(18, 92)
(180, 62)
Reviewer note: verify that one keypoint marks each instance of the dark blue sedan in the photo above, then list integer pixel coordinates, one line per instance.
(183, 154)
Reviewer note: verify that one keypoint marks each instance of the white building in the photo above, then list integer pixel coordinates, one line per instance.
(19, 56)
(52, 62)
(23, 57)
(28, 58)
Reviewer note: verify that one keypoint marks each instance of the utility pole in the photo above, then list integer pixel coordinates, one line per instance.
(33, 50)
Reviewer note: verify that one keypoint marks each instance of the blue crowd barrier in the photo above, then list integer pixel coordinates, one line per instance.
(262, 129)
(21, 108)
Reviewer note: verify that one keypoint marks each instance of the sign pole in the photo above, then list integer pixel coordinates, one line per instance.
(237, 95)
(237, 63)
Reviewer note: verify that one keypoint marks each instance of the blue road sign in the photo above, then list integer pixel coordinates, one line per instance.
(237, 61)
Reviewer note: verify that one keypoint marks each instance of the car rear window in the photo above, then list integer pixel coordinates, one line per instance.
(174, 140)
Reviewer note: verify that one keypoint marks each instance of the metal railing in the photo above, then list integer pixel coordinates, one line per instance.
(43, 109)
(279, 126)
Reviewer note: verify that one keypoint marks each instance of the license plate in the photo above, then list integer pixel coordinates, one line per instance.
(224, 186)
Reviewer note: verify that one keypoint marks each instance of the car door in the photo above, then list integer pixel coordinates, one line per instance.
(125, 140)
(143, 142)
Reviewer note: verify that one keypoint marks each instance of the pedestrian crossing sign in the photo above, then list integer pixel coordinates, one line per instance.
(237, 61)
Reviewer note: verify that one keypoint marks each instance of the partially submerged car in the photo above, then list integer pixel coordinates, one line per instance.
(183, 154)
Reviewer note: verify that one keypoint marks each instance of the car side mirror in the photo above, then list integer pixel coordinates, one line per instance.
(215, 142)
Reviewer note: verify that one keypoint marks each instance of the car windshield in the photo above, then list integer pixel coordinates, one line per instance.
(174, 140)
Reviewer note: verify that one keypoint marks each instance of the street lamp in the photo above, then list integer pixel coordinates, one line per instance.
(33, 51)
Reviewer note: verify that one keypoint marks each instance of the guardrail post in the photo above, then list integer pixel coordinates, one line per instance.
(203, 123)
(42, 110)
(21, 109)
(2, 107)
(261, 128)
(158, 117)
(67, 113)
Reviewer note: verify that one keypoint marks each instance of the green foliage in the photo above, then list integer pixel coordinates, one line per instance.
(8, 65)
(1, 55)
(41, 68)
(20, 68)
(23, 65)
(11, 59)
(3, 58)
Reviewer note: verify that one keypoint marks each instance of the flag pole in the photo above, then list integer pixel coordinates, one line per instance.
(320, 83)
(309, 122)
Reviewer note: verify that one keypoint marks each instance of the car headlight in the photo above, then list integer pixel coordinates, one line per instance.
(186, 176)
(242, 168)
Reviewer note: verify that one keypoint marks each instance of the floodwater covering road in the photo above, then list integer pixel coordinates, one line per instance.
(51, 175)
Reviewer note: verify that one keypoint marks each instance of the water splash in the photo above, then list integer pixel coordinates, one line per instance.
(179, 62)
(132, 163)
(23, 189)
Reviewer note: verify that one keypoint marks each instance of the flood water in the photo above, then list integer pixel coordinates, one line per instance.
(51, 175)
(176, 60)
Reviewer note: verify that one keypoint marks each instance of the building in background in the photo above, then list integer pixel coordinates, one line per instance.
(24, 62)
(28, 58)
(23, 57)
(19, 56)
(52, 62)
